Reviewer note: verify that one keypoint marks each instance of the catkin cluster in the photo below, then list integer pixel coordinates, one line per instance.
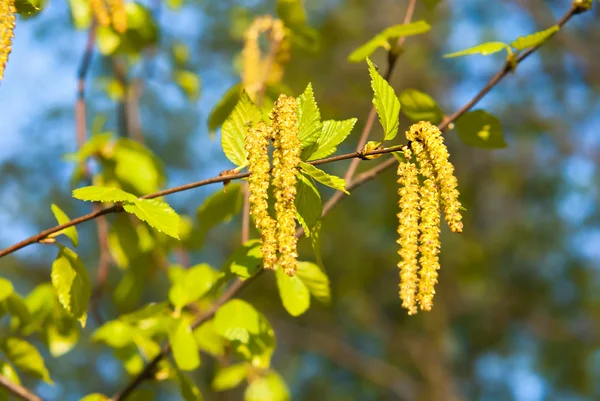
(8, 20)
(110, 11)
(420, 209)
(278, 235)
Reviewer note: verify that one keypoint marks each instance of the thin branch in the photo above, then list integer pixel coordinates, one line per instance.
(18, 390)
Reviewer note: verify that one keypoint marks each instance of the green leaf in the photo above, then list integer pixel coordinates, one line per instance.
(71, 283)
(386, 103)
(315, 280)
(483, 49)
(115, 334)
(535, 39)
(246, 261)
(142, 31)
(308, 203)
(108, 40)
(26, 7)
(209, 340)
(40, 303)
(26, 357)
(183, 344)
(309, 118)
(157, 214)
(334, 133)
(81, 14)
(195, 283)
(6, 289)
(95, 193)
(189, 82)
(137, 167)
(219, 207)
(9, 372)
(189, 390)
(223, 108)
(294, 294)
(95, 397)
(17, 309)
(293, 15)
(480, 129)
(131, 359)
(123, 241)
(62, 218)
(236, 320)
(233, 132)
(230, 377)
(62, 334)
(419, 106)
(270, 387)
(365, 50)
(430, 4)
(324, 178)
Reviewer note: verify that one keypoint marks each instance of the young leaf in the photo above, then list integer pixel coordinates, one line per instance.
(294, 294)
(309, 118)
(189, 390)
(269, 387)
(157, 214)
(208, 340)
(365, 50)
(484, 49)
(115, 334)
(183, 344)
(386, 103)
(62, 334)
(236, 320)
(189, 82)
(6, 289)
(308, 203)
(195, 282)
(334, 133)
(419, 106)
(62, 218)
(17, 309)
(535, 39)
(95, 397)
(71, 283)
(26, 357)
(315, 280)
(219, 207)
(123, 241)
(230, 377)
(246, 261)
(26, 7)
(95, 193)
(80, 13)
(223, 108)
(233, 132)
(137, 167)
(480, 129)
(324, 178)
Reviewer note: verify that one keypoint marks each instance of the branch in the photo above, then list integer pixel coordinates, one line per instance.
(18, 390)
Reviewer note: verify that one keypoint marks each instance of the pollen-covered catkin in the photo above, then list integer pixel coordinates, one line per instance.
(257, 142)
(100, 12)
(286, 158)
(118, 15)
(408, 233)
(8, 20)
(429, 240)
(432, 139)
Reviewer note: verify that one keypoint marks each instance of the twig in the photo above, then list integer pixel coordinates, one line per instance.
(18, 390)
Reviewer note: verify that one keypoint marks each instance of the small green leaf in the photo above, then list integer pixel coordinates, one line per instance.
(81, 14)
(334, 133)
(324, 178)
(480, 129)
(309, 118)
(26, 357)
(209, 340)
(315, 280)
(402, 30)
(419, 106)
(107, 39)
(233, 132)
(294, 294)
(184, 346)
(367, 49)
(236, 320)
(62, 334)
(218, 208)
(26, 7)
(9, 372)
(95, 193)
(62, 218)
(189, 82)
(535, 39)
(71, 283)
(308, 203)
(483, 49)
(137, 168)
(189, 390)
(223, 108)
(230, 377)
(6, 289)
(270, 387)
(386, 103)
(195, 283)
(115, 334)
(246, 261)
(131, 359)
(95, 397)
(17, 309)
(157, 214)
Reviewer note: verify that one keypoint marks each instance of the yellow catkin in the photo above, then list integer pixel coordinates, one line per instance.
(100, 12)
(8, 20)
(429, 240)
(432, 139)
(286, 158)
(118, 15)
(257, 143)
(408, 233)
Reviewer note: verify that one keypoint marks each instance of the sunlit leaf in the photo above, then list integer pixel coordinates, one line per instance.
(189, 82)
(308, 203)
(483, 49)
(26, 357)
(233, 132)
(480, 129)
(419, 106)
(81, 13)
(209, 340)
(324, 178)
(115, 334)
(137, 167)
(315, 280)
(309, 118)
(269, 387)
(294, 294)
(6, 289)
(195, 282)
(157, 214)
(184, 346)
(26, 7)
(189, 390)
(62, 218)
(62, 334)
(230, 377)
(95, 397)
(218, 208)
(535, 39)
(223, 108)
(386, 103)
(333, 134)
(102, 194)
(245, 261)
(71, 283)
